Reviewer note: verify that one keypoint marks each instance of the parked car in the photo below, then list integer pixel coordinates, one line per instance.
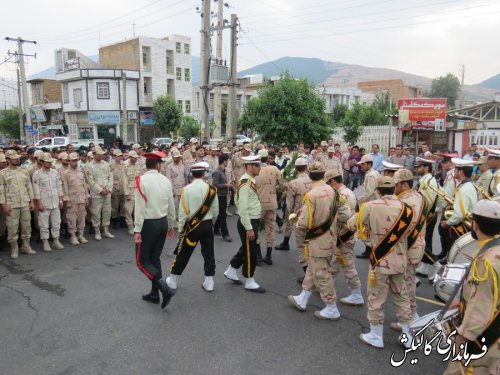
(240, 139)
(53, 142)
(158, 142)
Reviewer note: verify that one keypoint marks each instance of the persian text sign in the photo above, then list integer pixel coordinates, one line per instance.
(424, 114)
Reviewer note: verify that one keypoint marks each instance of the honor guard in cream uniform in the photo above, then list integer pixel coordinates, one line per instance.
(100, 180)
(48, 193)
(117, 195)
(478, 302)
(269, 183)
(247, 202)
(345, 240)
(386, 221)
(76, 198)
(198, 208)
(130, 173)
(177, 176)
(153, 214)
(317, 216)
(483, 182)
(16, 199)
(494, 163)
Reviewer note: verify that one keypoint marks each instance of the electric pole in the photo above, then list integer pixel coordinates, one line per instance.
(124, 108)
(21, 125)
(204, 67)
(218, 57)
(232, 115)
(462, 96)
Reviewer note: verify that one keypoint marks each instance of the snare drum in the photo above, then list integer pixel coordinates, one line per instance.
(462, 249)
(447, 279)
(445, 326)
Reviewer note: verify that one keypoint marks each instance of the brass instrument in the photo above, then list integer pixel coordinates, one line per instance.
(293, 218)
(439, 192)
(483, 192)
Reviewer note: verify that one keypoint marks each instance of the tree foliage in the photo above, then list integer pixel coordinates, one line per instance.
(9, 123)
(168, 115)
(289, 111)
(446, 87)
(189, 128)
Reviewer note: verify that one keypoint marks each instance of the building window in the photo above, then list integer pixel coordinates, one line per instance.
(65, 93)
(187, 74)
(187, 49)
(178, 74)
(188, 106)
(38, 93)
(102, 90)
(178, 47)
(146, 88)
(77, 96)
(179, 104)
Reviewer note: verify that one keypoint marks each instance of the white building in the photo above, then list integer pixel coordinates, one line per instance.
(344, 95)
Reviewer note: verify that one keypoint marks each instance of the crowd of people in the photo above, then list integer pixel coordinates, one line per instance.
(402, 198)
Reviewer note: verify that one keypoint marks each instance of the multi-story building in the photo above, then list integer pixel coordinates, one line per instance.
(396, 88)
(46, 109)
(165, 69)
(95, 97)
(344, 95)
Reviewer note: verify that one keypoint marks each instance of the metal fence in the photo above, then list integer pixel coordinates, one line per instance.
(378, 134)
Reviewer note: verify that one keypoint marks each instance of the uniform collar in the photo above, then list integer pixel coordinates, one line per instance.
(152, 171)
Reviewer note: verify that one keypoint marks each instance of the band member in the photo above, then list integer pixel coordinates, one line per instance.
(494, 163)
(153, 215)
(390, 169)
(317, 216)
(485, 177)
(198, 207)
(449, 186)
(386, 222)
(479, 303)
(247, 202)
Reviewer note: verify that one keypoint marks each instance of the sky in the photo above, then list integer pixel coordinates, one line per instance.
(424, 37)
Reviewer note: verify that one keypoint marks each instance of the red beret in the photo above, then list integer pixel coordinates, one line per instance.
(155, 155)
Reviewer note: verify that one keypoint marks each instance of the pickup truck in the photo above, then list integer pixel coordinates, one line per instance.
(52, 142)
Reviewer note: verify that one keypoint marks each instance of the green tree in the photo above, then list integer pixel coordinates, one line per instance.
(289, 111)
(168, 115)
(338, 113)
(189, 128)
(446, 87)
(9, 122)
(352, 123)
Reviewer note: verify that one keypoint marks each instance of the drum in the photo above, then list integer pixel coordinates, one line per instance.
(445, 326)
(462, 249)
(447, 279)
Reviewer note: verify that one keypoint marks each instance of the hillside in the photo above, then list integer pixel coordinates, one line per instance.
(491, 83)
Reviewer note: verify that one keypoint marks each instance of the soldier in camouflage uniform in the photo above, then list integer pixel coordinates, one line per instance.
(269, 182)
(100, 180)
(47, 189)
(494, 163)
(130, 173)
(117, 196)
(16, 198)
(323, 154)
(177, 176)
(316, 210)
(331, 161)
(141, 160)
(76, 198)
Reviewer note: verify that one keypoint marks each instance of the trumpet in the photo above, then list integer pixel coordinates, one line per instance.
(483, 192)
(439, 192)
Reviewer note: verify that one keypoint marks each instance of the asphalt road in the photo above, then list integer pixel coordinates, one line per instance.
(79, 311)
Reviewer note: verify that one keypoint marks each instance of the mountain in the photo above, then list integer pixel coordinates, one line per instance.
(491, 83)
(50, 73)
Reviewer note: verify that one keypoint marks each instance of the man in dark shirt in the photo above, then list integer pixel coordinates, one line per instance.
(355, 170)
(220, 182)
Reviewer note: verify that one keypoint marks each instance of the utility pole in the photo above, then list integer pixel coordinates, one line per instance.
(204, 67)
(218, 56)
(462, 96)
(232, 115)
(21, 125)
(124, 108)
(22, 71)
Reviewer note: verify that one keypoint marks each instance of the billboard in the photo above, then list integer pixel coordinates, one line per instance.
(147, 118)
(422, 114)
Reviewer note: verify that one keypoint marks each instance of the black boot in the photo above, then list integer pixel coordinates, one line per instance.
(166, 292)
(123, 223)
(268, 260)
(284, 245)
(116, 223)
(300, 280)
(3, 243)
(365, 254)
(260, 261)
(91, 230)
(153, 296)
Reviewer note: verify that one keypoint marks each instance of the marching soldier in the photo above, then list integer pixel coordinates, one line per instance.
(484, 179)
(247, 202)
(100, 180)
(198, 207)
(130, 172)
(76, 198)
(153, 213)
(269, 182)
(344, 256)
(48, 193)
(317, 216)
(177, 176)
(494, 163)
(385, 221)
(479, 304)
(117, 196)
(16, 199)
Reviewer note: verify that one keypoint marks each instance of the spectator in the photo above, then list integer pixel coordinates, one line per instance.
(471, 151)
(398, 157)
(354, 169)
(338, 153)
(410, 161)
(377, 158)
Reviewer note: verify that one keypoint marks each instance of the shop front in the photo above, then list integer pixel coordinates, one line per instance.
(105, 125)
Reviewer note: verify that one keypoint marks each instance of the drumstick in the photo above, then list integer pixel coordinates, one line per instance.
(430, 301)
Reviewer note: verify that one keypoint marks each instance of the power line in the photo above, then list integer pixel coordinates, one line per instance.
(258, 49)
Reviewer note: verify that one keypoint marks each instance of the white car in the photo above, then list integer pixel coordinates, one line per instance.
(161, 141)
(240, 139)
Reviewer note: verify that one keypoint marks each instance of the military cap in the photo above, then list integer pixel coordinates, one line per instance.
(99, 151)
(461, 163)
(331, 149)
(155, 155)
(12, 154)
(300, 162)
(402, 175)
(252, 159)
(133, 154)
(117, 152)
(175, 153)
(263, 153)
(365, 159)
(38, 154)
(317, 167)
(63, 156)
(385, 181)
(486, 208)
(225, 150)
(331, 173)
(2, 158)
(136, 146)
(73, 156)
(482, 160)
(324, 143)
(47, 157)
(391, 166)
(201, 166)
(493, 153)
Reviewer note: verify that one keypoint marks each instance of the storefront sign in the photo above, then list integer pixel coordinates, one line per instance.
(104, 117)
(422, 114)
(147, 118)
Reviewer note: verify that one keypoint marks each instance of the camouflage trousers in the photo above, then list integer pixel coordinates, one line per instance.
(377, 296)
(487, 365)
(269, 218)
(300, 237)
(129, 212)
(346, 251)
(177, 199)
(318, 275)
(17, 215)
(75, 217)
(49, 218)
(101, 211)
(117, 206)
(411, 286)
(288, 226)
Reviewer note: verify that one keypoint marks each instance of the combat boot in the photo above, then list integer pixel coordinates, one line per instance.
(123, 223)
(330, 312)
(268, 260)
(153, 296)
(26, 248)
(300, 301)
(81, 238)
(97, 232)
(14, 249)
(116, 224)
(166, 292)
(46, 245)
(355, 299)
(57, 244)
(375, 337)
(284, 245)
(106, 232)
(73, 240)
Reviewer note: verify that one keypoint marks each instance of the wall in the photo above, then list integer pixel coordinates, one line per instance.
(124, 55)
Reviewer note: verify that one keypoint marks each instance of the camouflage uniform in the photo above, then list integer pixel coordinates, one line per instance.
(483, 182)
(238, 166)
(47, 189)
(130, 172)
(370, 186)
(177, 176)
(99, 177)
(332, 163)
(117, 197)
(75, 190)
